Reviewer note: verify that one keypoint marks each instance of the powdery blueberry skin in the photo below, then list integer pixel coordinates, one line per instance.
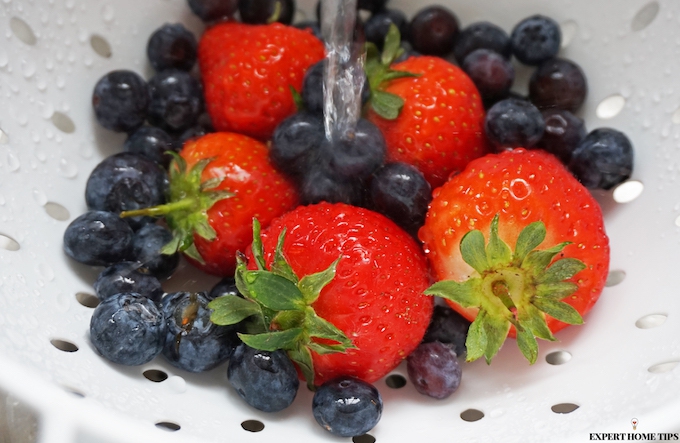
(433, 31)
(482, 35)
(448, 327)
(152, 143)
(127, 277)
(120, 100)
(536, 39)
(209, 10)
(295, 142)
(558, 83)
(127, 329)
(434, 370)
(490, 72)
(193, 343)
(267, 381)
(98, 238)
(563, 133)
(172, 46)
(603, 159)
(513, 123)
(146, 249)
(176, 100)
(347, 407)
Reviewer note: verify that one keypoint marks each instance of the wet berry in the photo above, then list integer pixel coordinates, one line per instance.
(563, 133)
(490, 72)
(378, 24)
(433, 31)
(146, 249)
(127, 277)
(172, 46)
(482, 35)
(321, 184)
(603, 159)
(358, 156)
(226, 286)
(176, 100)
(449, 327)
(296, 141)
(98, 238)
(536, 39)
(121, 100)
(434, 370)
(210, 10)
(152, 143)
(558, 83)
(266, 11)
(312, 89)
(513, 123)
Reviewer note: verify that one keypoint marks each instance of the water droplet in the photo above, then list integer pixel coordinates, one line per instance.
(4, 138)
(27, 68)
(108, 13)
(85, 150)
(651, 321)
(569, 29)
(4, 59)
(61, 82)
(12, 162)
(2, 200)
(39, 196)
(67, 168)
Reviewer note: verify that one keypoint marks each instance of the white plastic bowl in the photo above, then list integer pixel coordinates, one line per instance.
(622, 364)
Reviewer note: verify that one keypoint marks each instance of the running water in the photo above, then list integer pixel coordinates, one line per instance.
(344, 74)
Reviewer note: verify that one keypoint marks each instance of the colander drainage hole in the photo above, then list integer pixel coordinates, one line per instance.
(63, 122)
(615, 277)
(645, 16)
(155, 375)
(395, 381)
(168, 426)
(57, 211)
(22, 31)
(564, 408)
(366, 438)
(87, 300)
(558, 357)
(74, 392)
(662, 368)
(252, 425)
(8, 243)
(64, 345)
(101, 46)
(472, 415)
(4, 138)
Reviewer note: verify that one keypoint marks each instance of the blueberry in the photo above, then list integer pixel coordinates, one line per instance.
(210, 10)
(127, 277)
(202, 127)
(433, 31)
(603, 159)
(176, 100)
(194, 343)
(490, 72)
(536, 39)
(347, 407)
(295, 141)
(378, 24)
(226, 286)
(146, 249)
(121, 100)
(449, 327)
(266, 11)
(400, 192)
(558, 83)
(371, 5)
(172, 46)
(126, 181)
(267, 381)
(312, 26)
(563, 133)
(312, 89)
(357, 156)
(320, 184)
(127, 329)
(98, 238)
(482, 35)
(434, 370)
(513, 123)
(152, 143)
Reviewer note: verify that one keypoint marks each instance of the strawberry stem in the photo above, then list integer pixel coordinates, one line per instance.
(161, 210)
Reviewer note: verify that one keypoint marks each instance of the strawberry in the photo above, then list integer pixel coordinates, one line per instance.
(248, 71)
(338, 286)
(432, 119)
(218, 183)
(526, 199)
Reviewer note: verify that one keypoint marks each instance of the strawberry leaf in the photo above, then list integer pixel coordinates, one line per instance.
(302, 356)
(256, 247)
(533, 320)
(556, 291)
(297, 99)
(473, 252)
(562, 269)
(497, 252)
(386, 105)
(558, 310)
(317, 327)
(232, 309)
(537, 261)
(527, 345)
(529, 238)
(272, 341)
(495, 330)
(273, 291)
(475, 342)
(391, 45)
(280, 266)
(465, 294)
(311, 285)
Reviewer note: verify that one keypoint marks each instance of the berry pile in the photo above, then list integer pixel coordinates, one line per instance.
(332, 250)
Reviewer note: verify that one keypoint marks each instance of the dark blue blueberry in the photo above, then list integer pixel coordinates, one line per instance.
(295, 141)
(152, 143)
(127, 329)
(603, 159)
(563, 133)
(313, 26)
(211, 10)
(126, 181)
(482, 35)
(193, 342)
(492, 73)
(121, 101)
(267, 381)
(400, 192)
(321, 184)
(146, 249)
(378, 24)
(265, 11)
(312, 89)
(126, 277)
(226, 286)
(434, 370)
(98, 238)
(202, 127)
(513, 123)
(176, 100)
(357, 156)
(558, 83)
(172, 46)
(433, 31)
(373, 6)
(536, 39)
(448, 326)
(347, 407)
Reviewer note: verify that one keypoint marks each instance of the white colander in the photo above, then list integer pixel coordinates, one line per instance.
(622, 364)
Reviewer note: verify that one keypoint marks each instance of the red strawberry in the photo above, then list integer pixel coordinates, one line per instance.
(371, 293)
(218, 183)
(523, 199)
(432, 119)
(247, 73)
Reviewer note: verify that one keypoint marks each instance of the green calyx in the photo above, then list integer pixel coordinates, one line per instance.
(277, 306)
(512, 288)
(378, 71)
(186, 212)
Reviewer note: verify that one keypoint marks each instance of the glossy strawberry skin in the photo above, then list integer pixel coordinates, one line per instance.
(441, 126)
(259, 191)
(522, 187)
(247, 72)
(376, 297)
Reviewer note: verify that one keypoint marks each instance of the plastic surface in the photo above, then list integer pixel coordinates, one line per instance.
(622, 364)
